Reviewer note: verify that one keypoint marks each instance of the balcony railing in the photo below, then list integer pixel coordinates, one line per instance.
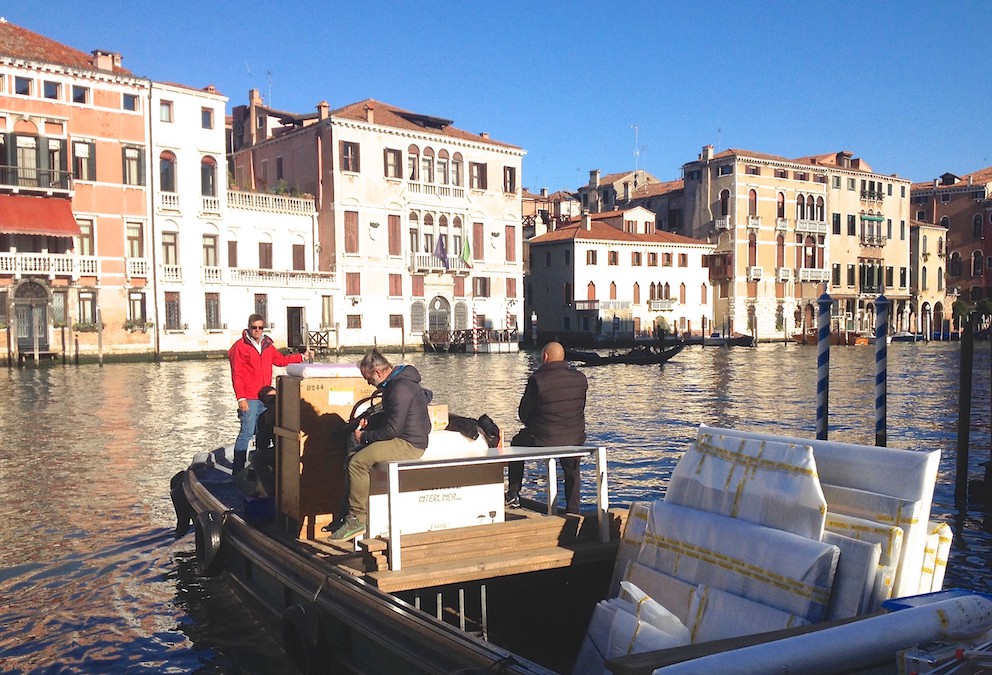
(783, 273)
(782, 224)
(873, 240)
(585, 305)
(211, 275)
(439, 190)
(136, 267)
(722, 223)
(171, 273)
(876, 195)
(50, 264)
(812, 274)
(210, 205)
(811, 227)
(294, 278)
(168, 201)
(258, 201)
(661, 305)
(428, 262)
(754, 274)
(31, 179)
(754, 222)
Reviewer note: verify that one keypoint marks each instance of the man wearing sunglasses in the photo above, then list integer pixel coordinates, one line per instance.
(252, 358)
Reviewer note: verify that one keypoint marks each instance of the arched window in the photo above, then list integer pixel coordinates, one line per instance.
(940, 279)
(780, 207)
(567, 292)
(413, 163)
(940, 246)
(414, 221)
(752, 249)
(752, 203)
(637, 293)
(167, 172)
(821, 214)
(652, 292)
(428, 233)
(613, 290)
(976, 226)
(923, 249)
(427, 166)
(954, 267)
(208, 177)
(724, 202)
(800, 208)
(702, 294)
(976, 264)
(682, 293)
(923, 278)
(591, 291)
(442, 167)
(809, 253)
(780, 251)
(668, 291)
(945, 221)
(456, 169)
(810, 208)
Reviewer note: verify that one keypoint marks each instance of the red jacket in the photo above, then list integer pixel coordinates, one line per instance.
(250, 371)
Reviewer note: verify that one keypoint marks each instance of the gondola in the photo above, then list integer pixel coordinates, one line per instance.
(640, 355)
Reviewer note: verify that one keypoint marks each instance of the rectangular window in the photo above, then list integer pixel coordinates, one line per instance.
(902, 230)
(326, 310)
(851, 184)
(835, 182)
(210, 250)
(395, 242)
(207, 118)
(889, 276)
(850, 275)
(87, 307)
(232, 253)
(427, 169)
(395, 320)
(265, 255)
(417, 285)
(134, 166)
(477, 176)
(262, 306)
(80, 94)
(279, 174)
(170, 248)
(613, 258)
(351, 231)
(652, 259)
(635, 259)
(902, 191)
(835, 218)
(164, 111)
(83, 160)
(456, 172)
(130, 102)
(172, 316)
(683, 259)
(888, 228)
(666, 259)
(393, 161)
(852, 226)
(781, 173)
(135, 241)
(353, 283)
(349, 157)
(752, 170)
(22, 86)
(136, 306)
(835, 274)
(86, 242)
(480, 287)
(52, 90)
(902, 277)
(725, 170)
(459, 287)
(299, 257)
(590, 257)
(58, 308)
(509, 179)
(510, 235)
(511, 287)
(396, 285)
(212, 311)
(354, 321)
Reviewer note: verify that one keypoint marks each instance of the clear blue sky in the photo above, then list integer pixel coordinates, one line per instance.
(903, 85)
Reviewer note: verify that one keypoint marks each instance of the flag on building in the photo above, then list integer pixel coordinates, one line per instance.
(466, 252)
(441, 251)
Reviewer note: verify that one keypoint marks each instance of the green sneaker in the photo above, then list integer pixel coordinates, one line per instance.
(351, 528)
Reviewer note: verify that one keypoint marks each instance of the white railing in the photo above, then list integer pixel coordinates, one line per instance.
(172, 273)
(754, 222)
(873, 240)
(50, 264)
(783, 273)
(810, 227)
(256, 201)
(168, 201)
(136, 267)
(753, 273)
(614, 304)
(663, 305)
(296, 279)
(211, 275)
(722, 223)
(782, 224)
(210, 205)
(581, 305)
(813, 275)
(428, 262)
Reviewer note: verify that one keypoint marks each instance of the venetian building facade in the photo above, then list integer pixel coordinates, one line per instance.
(962, 205)
(928, 282)
(419, 221)
(785, 230)
(612, 276)
(74, 193)
(612, 191)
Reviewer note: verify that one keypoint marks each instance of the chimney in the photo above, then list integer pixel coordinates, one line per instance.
(544, 192)
(626, 191)
(210, 89)
(254, 97)
(370, 113)
(105, 60)
(586, 221)
(484, 134)
(323, 110)
(707, 152)
(594, 178)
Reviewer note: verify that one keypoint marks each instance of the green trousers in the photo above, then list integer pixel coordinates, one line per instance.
(360, 468)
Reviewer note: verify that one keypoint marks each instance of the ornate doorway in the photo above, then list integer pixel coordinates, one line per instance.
(439, 315)
(31, 315)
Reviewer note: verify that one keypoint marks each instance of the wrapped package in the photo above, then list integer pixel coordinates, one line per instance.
(854, 582)
(929, 562)
(762, 481)
(943, 532)
(674, 594)
(716, 614)
(772, 567)
(630, 542)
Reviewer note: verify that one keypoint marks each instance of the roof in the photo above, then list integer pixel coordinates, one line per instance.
(21, 43)
(656, 189)
(392, 116)
(976, 179)
(602, 231)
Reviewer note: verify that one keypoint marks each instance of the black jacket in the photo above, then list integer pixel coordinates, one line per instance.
(553, 405)
(404, 403)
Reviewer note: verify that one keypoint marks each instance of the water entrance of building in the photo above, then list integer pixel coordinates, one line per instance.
(31, 316)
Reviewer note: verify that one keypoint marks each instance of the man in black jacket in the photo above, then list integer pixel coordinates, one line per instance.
(552, 409)
(403, 434)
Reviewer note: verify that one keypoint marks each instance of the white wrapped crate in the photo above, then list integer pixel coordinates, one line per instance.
(854, 582)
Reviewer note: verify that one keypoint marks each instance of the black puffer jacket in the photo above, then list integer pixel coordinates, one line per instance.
(553, 405)
(404, 402)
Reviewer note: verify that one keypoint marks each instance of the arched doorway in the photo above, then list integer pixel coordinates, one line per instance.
(439, 314)
(31, 314)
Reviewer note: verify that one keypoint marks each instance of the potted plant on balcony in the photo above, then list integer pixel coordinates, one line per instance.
(133, 325)
(85, 327)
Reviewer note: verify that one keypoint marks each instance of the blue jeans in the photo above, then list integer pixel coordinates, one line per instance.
(249, 420)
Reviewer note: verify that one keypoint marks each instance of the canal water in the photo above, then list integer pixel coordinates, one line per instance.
(91, 579)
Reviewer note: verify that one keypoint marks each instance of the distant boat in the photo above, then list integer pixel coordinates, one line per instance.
(735, 340)
(810, 337)
(640, 355)
(904, 336)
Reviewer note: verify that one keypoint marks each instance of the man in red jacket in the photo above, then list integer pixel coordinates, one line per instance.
(252, 358)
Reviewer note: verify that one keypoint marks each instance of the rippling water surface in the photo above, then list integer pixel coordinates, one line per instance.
(91, 579)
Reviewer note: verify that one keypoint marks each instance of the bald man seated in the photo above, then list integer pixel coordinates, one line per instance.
(552, 410)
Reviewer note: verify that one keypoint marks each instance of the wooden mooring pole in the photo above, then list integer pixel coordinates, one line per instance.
(964, 414)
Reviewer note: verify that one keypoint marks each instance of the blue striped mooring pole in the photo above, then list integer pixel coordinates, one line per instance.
(881, 356)
(823, 366)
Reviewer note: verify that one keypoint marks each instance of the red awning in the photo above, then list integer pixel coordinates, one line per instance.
(51, 216)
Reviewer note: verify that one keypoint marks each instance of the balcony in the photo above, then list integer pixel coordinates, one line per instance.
(872, 239)
(754, 222)
(50, 264)
(781, 224)
(873, 195)
(661, 305)
(783, 273)
(456, 192)
(34, 180)
(754, 274)
(813, 275)
(811, 227)
(168, 201)
(210, 205)
(211, 275)
(428, 262)
(136, 267)
(722, 223)
(287, 278)
(171, 273)
(586, 305)
(259, 201)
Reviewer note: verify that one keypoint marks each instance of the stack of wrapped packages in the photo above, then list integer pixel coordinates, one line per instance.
(759, 532)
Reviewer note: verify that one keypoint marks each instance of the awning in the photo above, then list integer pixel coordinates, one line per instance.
(877, 219)
(52, 216)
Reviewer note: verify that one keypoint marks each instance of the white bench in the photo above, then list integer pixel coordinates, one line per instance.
(549, 455)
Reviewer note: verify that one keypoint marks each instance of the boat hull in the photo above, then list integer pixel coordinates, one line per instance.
(639, 356)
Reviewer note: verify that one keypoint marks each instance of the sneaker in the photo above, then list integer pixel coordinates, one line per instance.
(351, 528)
(512, 501)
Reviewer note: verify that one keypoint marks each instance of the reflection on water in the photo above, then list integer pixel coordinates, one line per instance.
(92, 579)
